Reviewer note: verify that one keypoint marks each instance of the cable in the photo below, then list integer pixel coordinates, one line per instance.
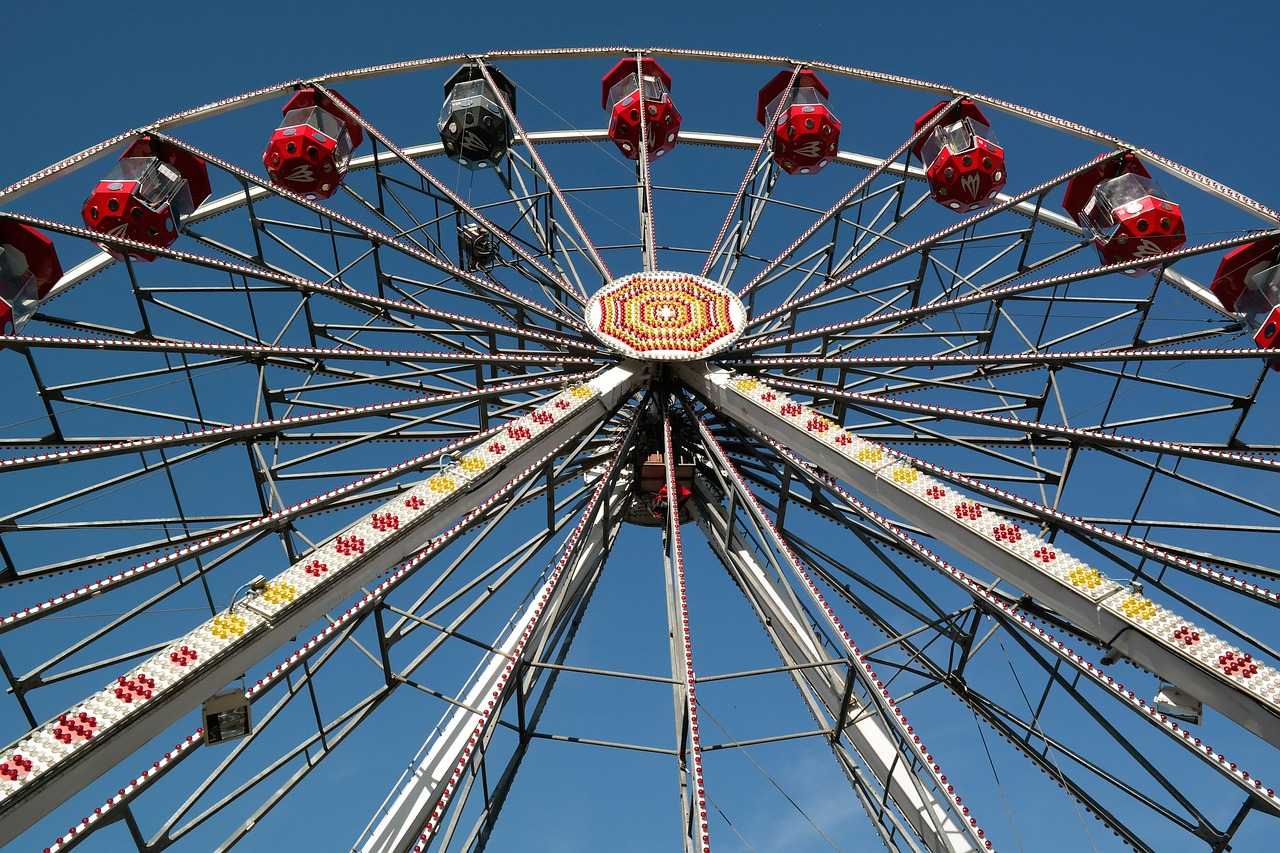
(999, 784)
(720, 812)
(766, 775)
(1035, 727)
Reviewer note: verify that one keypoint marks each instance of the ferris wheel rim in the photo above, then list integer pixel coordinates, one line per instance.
(1169, 166)
(754, 480)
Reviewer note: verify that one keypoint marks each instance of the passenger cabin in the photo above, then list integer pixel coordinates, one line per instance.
(1128, 215)
(29, 269)
(310, 151)
(963, 161)
(634, 89)
(474, 128)
(806, 135)
(652, 486)
(1248, 283)
(147, 197)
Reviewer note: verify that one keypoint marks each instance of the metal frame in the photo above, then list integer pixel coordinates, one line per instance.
(300, 342)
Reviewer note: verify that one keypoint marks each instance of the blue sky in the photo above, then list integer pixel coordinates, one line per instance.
(1169, 77)
(1191, 86)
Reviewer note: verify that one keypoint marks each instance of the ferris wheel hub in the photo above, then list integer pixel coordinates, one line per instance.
(666, 316)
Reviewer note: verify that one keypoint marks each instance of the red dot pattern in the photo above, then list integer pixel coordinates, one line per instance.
(15, 768)
(1007, 533)
(385, 521)
(130, 687)
(349, 545)
(73, 726)
(1238, 664)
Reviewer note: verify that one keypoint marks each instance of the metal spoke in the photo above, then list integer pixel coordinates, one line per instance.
(397, 465)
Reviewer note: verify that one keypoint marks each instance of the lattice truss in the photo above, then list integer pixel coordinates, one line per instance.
(686, 502)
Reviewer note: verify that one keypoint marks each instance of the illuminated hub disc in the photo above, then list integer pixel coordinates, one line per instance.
(666, 316)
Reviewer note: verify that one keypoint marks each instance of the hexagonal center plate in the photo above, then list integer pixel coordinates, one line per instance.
(666, 316)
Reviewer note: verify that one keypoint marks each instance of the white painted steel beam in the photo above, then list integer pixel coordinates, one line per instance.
(61, 757)
(1147, 633)
(815, 669)
(416, 812)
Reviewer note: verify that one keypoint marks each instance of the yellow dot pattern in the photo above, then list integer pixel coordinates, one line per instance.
(870, 454)
(441, 483)
(580, 391)
(279, 592)
(903, 474)
(1163, 626)
(227, 625)
(1084, 577)
(1136, 607)
(473, 464)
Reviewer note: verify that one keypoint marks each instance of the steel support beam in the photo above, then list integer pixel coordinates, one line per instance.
(161, 690)
(863, 726)
(416, 812)
(824, 681)
(1132, 625)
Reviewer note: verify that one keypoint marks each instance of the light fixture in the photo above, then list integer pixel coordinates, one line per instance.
(1179, 704)
(227, 716)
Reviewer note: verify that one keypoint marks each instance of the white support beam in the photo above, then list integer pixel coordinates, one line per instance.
(999, 605)
(58, 759)
(1147, 633)
(863, 726)
(695, 834)
(415, 813)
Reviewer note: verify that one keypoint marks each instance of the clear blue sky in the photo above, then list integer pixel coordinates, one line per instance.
(1194, 86)
(1191, 85)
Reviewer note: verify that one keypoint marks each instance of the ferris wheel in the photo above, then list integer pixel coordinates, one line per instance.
(652, 449)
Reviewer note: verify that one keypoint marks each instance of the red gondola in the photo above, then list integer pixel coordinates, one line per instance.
(148, 196)
(627, 100)
(1127, 213)
(964, 162)
(311, 149)
(29, 268)
(806, 136)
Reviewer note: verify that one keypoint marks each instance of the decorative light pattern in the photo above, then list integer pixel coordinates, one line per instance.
(698, 821)
(109, 710)
(304, 652)
(891, 713)
(666, 316)
(1047, 641)
(1170, 630)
